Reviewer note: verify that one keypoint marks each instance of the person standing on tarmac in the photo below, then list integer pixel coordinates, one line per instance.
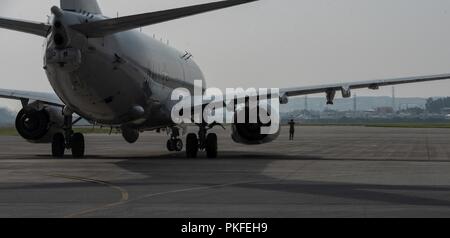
(291, 130)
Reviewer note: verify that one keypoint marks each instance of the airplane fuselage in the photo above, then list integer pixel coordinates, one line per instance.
(122, 79)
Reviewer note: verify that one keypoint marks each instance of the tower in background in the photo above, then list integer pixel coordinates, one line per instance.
(306, 103)
(394, 100)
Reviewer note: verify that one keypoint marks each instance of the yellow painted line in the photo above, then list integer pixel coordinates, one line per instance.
(124, 194)
(125, 198)
(151, 195)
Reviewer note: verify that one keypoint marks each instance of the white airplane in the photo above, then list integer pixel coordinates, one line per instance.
(110, 74)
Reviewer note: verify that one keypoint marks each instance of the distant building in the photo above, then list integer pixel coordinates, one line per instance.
(384, 110)
(447, 117)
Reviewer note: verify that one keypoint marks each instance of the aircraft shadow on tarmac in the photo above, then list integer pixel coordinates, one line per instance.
(229, 155)
(361, 192)
(355, 193)
(235, 155)
(390, 194)
(401, 195)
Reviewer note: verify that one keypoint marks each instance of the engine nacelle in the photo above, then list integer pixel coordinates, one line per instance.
(250, 133)
(130, 135)
(39, 126)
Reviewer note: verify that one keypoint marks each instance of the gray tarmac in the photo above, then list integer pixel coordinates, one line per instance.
(325, 172)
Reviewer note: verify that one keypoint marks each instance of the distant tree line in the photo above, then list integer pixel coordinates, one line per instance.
(437, 105)
(6, 117)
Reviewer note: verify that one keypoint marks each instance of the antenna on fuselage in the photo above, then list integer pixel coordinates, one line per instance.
(186, 56)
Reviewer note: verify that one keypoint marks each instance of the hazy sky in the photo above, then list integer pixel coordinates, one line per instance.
(274, 43)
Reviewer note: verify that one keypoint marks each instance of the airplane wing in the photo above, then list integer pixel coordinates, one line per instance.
(114, 25)
(26, 96)
(36, 28)
(330, 91)
(346, 88)
(372, 84)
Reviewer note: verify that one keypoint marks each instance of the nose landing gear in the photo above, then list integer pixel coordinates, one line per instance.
(74, 141)
(68, 140)
(174, 143)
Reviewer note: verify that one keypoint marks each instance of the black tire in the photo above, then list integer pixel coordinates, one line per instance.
(211, 146)
(169, 145)
(58, 145)
(191, 146)
(77, 145)
(178, 145)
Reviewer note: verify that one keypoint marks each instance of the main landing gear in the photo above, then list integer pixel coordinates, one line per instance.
(174, 143)
(203, 142)
(68, 140)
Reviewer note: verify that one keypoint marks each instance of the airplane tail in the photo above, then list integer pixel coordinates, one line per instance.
(90, 6)
(110, 26)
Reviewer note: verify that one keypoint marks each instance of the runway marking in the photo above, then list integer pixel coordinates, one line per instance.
(125, 196)
(194, 189)
(162, 194)
(269, 181)
(124, 193)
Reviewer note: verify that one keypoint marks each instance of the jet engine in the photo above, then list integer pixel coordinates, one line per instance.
(130, 135)
(39, 126)
(251, 133)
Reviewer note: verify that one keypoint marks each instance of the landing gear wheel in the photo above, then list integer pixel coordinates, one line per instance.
(178, 145)
(58, 145)
(192, 145)
(175, 145)
(211, 146)
(77, 145)
(170, 146)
